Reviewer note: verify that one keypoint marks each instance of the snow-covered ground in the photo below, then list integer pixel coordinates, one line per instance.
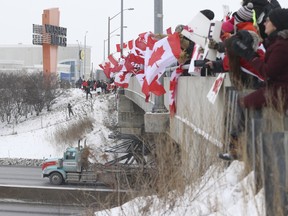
(222, 193)
(33, 138)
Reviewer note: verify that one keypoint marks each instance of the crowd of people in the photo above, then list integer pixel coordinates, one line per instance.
(99, 86)
(254, 47)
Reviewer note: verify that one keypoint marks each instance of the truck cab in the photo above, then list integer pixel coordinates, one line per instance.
(72, 160)
(58, 169)
(126, 168)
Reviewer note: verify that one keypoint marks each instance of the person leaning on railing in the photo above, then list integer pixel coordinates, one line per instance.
(274, 67)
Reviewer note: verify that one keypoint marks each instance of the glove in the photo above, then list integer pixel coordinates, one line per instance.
(213, 44)
(242, 45)
(245, 37)
(242, 50)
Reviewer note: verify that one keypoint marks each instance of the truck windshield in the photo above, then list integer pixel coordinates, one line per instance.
(70, 155)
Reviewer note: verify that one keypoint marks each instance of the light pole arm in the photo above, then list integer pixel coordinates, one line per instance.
(110, 18)
(120, 12)
(116, 15)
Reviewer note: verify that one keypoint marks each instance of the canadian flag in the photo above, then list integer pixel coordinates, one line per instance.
(106, 66)
(128, 45)
(164, 53)
(140, 76)
(169, 31)
(143, 41)
(212, 94)
(111, 66)
(172, 89)
(196, 55)
(122, 78)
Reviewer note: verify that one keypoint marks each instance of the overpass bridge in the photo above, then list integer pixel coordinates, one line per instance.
(194, 115)
(201, 128)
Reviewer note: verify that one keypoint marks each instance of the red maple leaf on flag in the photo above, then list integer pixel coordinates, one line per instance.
(122, 77)
(156, 55)
(217, 84)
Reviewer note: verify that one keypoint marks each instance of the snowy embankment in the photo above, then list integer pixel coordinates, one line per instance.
(31, 141)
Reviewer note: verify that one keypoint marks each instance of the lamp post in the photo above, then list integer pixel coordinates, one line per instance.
(79, 60)
(159, 106)
(104, 45)
(121, 26)
(84, 67)
(109, 19)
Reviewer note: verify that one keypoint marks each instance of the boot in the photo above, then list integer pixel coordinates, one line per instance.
(234, 150)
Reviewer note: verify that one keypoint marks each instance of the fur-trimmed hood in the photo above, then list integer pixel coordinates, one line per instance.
(283, 34)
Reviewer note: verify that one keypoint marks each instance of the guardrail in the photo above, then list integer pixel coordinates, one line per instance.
(66, 196)
(266, 151)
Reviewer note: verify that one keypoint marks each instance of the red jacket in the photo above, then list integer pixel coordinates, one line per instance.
(246, 66)
(246, 26)
(85, 84)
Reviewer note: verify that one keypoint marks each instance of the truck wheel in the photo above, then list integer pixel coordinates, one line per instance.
(56, 178)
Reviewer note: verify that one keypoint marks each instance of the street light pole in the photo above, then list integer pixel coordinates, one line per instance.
(104, 51)
(109, 19)
(159, 106)
(109, 35)
(105, 42)
(84, 69)
(79, 60)
(121, 37)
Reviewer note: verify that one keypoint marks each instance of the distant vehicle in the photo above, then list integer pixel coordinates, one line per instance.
(122, 172)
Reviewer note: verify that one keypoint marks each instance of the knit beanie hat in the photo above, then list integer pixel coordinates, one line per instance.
(245, 13)
(279, 18)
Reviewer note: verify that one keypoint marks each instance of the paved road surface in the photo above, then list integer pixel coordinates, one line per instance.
(8, 208)
(31, 177)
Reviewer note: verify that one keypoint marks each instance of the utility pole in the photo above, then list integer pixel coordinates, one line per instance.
(84, 68)
(79, 60)
(108, 36)
(121, 28)
(159, 106)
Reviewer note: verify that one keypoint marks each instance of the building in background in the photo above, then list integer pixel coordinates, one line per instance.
(23, 58)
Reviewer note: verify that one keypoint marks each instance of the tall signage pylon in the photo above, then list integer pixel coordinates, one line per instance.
(50, 35)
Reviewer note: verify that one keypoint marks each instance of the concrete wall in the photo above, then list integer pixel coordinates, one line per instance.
(195, 114)
(130, 116)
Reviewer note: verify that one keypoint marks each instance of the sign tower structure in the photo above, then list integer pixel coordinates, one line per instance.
(50, 35)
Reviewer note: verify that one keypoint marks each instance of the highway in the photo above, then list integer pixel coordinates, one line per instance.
(28, 176)
(32, 176)
(23, 191)
(10, 208)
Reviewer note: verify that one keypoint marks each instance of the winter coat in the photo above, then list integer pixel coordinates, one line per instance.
(274, 69)
(246, 26)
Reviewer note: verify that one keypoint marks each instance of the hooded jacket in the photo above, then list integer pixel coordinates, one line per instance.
(274, 69)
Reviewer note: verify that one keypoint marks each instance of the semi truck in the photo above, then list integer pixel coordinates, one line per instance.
(126, 171)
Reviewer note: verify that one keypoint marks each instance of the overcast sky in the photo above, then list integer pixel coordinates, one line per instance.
(79, 16)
